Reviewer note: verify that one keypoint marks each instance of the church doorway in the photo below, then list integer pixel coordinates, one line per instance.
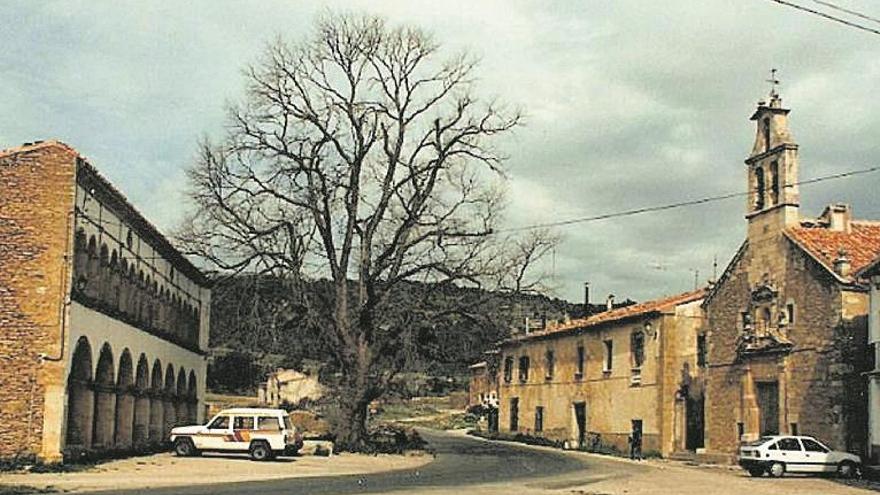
(768, 407)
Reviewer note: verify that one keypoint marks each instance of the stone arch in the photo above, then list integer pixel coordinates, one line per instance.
(104, 255)
(169, 401)
(125, 401)
(80, 255)
(92, 275)
(141, 429)
(181, 401)
(105, 399)
(80, 396)
(192, 393)
(157, 409)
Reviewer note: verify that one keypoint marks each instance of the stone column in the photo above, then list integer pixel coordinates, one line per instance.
(157, 418)
(124, 419)
(141, 430)
(170, 417)
(105, 416)
(80, 411)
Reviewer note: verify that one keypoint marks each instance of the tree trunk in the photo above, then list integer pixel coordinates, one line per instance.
(351, 432)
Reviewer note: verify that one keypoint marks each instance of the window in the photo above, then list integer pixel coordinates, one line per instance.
(549, 363)
(514, 414)
(219, 423)
(789, 312)
(774, 183)
(701, 350)
(773, 447)
(243, 423)
(539, 419)
(508, 369)
(740, 430)
(269, 423)
(746, 319)
(759, 189)
(637, 348)
(793, 428)
(581, 360)
(523, 369)
(813, 446)
(609, 355)
(766, 131)
(789, 444)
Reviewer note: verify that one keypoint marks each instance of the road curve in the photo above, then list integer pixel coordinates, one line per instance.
(460, 462)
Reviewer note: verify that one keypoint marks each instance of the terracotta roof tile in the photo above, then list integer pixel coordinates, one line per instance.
(862, 243)
(657, 305)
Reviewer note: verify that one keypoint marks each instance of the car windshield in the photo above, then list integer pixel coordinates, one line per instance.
(760, 441)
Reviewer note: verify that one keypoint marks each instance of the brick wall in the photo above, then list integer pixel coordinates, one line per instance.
(37, 187)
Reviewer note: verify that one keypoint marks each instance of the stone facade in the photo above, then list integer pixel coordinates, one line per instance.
(291, 387)
(103, 324)
(592, 381)
(786, 320)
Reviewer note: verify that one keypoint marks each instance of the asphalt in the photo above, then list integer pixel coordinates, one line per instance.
(460, 462)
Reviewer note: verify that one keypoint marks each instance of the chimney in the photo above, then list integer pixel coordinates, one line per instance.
(609, 303)
(586, 299)
(838, 216)
(842, 265)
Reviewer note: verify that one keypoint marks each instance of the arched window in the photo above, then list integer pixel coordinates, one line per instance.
(759, 189)
(774, 183)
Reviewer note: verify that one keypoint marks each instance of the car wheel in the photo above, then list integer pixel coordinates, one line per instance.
(260, 451)
(777, 469)
(756, 472)
(183, 447)
(847, 469)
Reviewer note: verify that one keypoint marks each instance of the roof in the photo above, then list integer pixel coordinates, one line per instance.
(117, 199)
(871, 269)
(861, 244)
(287, 375)
(655, 306)
(253, 410)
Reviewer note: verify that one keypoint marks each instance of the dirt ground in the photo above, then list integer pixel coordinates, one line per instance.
(168, 470)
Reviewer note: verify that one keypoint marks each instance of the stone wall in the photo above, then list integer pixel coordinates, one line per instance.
(821, 392)
(35, 214)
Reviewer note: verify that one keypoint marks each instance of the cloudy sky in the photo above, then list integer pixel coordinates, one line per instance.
(630, 103)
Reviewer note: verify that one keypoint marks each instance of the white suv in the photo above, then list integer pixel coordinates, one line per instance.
(778, 455)
(263, 433)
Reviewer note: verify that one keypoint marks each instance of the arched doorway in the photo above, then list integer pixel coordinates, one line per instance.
(141, 430)
(157, 408)
(105, 399)
(193, 398)
(181, 400)
(80, 397)
(124, 401)
(169, 399)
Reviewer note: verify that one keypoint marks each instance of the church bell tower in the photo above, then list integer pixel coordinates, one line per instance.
(773, 197)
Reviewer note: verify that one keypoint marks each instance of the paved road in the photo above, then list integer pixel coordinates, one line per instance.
(460, 462)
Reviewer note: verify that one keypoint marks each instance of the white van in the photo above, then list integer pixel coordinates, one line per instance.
(263, 433)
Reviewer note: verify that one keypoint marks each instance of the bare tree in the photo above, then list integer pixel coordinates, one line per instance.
(359, 157)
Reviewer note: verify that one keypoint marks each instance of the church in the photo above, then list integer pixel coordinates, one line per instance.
(786, 322)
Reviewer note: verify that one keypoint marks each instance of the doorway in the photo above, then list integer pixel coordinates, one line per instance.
(768, 407)
(514, 414)
(694, 427)
(580, 418)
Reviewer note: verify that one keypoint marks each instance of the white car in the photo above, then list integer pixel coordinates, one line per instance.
(778, 455)
(263, 433)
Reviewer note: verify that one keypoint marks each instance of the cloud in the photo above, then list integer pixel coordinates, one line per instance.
(629, 104)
